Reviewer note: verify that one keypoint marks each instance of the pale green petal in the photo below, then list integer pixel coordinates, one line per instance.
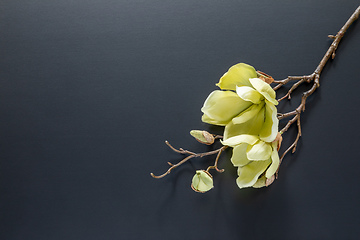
(239, 158)
(244, 138)
(261, 182)
(270, 128)
(252, 126)
(275, 161)
(207, 119)
(237, 75)
(221, 106)
(249, 94)
(248, 114)
(265, 89)
(249, 174)
(202, 181)
(259, 152)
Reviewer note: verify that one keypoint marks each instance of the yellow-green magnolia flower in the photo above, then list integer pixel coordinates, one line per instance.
(257, 161)
(244, 105)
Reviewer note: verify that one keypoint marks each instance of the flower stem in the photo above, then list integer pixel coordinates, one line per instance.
(315, 78)
(191, 155)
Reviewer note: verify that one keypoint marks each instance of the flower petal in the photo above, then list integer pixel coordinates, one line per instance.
(249, 94)
(250, 127)
(239, 157)
(269, 130)
(221, 106)
(275, 161)
(249, 174)
(237, 75)
(206, 119)
(261, 182)
(260, 151)
(265, 89)
(248, 114)
(244, 138)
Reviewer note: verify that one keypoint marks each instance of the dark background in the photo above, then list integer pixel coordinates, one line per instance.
(90, 89)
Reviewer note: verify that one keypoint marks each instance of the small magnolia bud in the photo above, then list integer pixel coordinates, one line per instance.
(202, 181)
(278, 139)
(203, 136)
(269, 180)
(265, 77)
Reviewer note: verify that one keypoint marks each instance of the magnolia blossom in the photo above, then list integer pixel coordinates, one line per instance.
(244, 105)
(257, 161)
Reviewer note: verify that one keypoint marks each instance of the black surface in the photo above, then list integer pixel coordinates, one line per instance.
(90, 89)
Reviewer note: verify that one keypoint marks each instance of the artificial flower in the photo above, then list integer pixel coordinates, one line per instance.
(245, 104)
(257, 161)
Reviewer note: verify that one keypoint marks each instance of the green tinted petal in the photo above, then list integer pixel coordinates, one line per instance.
(237, 75)
(207, 119)
(239, 158)
(261, 182)
(270, 128)
(248, 114)
(259, 152)
(221, 106)
(250, 127)
(249, 94)
(275, 162)
(265, 89)
(249, 174)
(244, 138)
(202, 181)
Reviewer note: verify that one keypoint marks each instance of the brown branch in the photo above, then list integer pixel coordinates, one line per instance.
(217, 160)
(315, 78)
(217, 136)
(191, 155)
(182, 151)
(303, 79)
(329, 53)
(306, 78)
(293, 145)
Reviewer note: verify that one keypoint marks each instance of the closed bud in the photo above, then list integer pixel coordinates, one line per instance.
(203, 136)
(265, 77)
(202, 181)
(269, 180)
(278, 139)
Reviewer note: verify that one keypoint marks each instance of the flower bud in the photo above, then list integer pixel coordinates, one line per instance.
(202, 181)
(269, 180)
(265, 77)
(203, 136)
(278, 139)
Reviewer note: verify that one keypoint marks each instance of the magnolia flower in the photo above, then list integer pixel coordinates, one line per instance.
(244, 105)
(257, 161)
